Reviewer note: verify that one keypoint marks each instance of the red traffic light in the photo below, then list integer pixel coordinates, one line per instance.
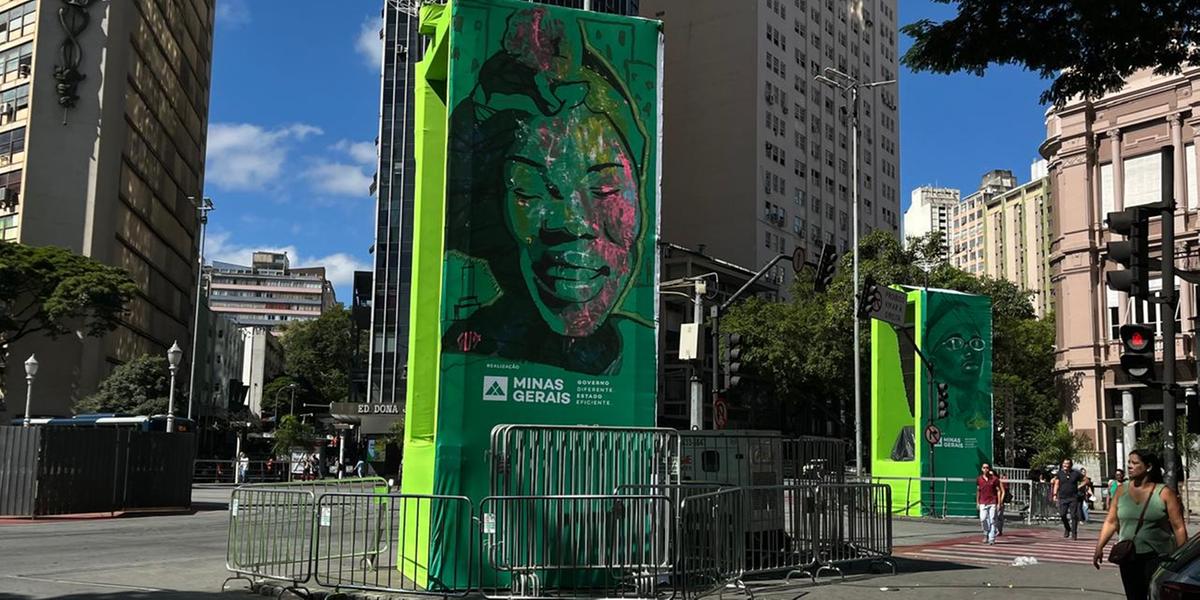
(1137, 340)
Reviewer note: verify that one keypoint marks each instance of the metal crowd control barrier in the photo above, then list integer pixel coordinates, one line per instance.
(271, 528)
(712, 542)
(270, 536)
(375, 543)
(570, 460)
(619, 546)
(811, 458)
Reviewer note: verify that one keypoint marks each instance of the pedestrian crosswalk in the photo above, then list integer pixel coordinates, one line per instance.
(1046, 545)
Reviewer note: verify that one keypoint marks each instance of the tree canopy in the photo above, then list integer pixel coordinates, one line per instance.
(317, 355)
(817, 377)
(138, 387)
(53, 292)
(1087, 47)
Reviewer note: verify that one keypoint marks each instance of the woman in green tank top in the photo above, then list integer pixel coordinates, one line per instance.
(1162, 528)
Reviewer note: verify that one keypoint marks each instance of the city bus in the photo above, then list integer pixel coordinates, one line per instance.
(137, 422)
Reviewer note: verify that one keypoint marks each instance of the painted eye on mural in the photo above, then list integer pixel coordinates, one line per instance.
(605, 192)
(957, 342)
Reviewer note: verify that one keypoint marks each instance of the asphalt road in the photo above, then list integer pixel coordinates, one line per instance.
(181, 557)
(162, 557)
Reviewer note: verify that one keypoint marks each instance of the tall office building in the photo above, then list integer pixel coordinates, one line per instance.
(757, 154)
(269, 292)
(402, 48)
(966, 222)
(930, 211)
(1018, 232)
(1105, 155)
(103, 124)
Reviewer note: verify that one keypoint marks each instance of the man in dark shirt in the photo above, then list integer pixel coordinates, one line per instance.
(1066, 491)
(988, 495)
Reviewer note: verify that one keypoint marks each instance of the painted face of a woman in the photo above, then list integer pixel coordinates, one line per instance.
(572, 205)
(961, 355)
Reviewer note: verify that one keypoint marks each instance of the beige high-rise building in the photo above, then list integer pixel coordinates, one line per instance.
(756, 154)
(1105, 155)
(930, 211)
(966, 222)
(103, 121)
(269, 292)
(1018, 232)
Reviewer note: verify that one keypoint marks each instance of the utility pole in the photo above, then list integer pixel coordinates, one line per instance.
(696, 407)
(202, 209)
(850, 86)
(1169, 304)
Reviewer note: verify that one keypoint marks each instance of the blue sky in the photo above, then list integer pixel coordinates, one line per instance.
(294, 110)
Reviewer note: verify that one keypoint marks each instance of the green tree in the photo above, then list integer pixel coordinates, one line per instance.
(277, 395)
(139, 387)
(817, 375)
(1057, 443)
(1152, 436)
(317, 354)
(293, 433)
(1087, 48)
(53, 292)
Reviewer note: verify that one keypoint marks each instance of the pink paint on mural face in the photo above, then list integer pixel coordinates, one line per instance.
(573, 208)
(535, 39)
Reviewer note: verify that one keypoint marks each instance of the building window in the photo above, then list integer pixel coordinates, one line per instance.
(18, 22)
(12, 146)
(8, 228)
(15, 62)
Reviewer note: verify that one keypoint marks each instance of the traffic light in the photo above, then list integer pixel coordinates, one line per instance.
(1133, 253)
(826, 267)
(943, 400)
(734, 365)
(868, 297)
(1138, 357)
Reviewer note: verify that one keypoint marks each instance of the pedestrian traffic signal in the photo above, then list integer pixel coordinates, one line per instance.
(826, 267)
(1138, 356)
(943, 400)
(1133, 253)
(868, 298)
(734, 364)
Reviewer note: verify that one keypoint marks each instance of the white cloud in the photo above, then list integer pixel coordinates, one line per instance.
(339, 179)
(339, 266)
(362, 152)
(233, 13)
(368, 43)
(242, 156)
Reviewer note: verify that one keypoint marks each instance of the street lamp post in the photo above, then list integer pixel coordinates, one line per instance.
(31, 368)
(173, 356)
(202, 208)
(850, 86)
(292, 387)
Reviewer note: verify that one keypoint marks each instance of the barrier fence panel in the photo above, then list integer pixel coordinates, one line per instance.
(552, 546)
(270, 535)
(712, 542)
(213, 470)
(569, 460)
(812, 458)
(371, 542)
(853, 523)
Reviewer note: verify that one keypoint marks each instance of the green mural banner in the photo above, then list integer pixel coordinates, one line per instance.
(535, 230)
(909, 438)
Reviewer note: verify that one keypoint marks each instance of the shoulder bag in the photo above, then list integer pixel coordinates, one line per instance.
(1123, 551)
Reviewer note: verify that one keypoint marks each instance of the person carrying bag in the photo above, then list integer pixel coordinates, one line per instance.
(1149, 520)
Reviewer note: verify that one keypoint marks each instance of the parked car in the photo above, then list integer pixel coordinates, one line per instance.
(1179, 576)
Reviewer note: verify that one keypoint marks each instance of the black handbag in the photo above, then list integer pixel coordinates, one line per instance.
(1123, 551)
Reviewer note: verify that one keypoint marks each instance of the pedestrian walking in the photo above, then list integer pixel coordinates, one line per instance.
(1085, 495)
(1117, 480)
(1000, 506)
(1065, 489)
(1148, 519)
(243, 467)
(987, 495)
